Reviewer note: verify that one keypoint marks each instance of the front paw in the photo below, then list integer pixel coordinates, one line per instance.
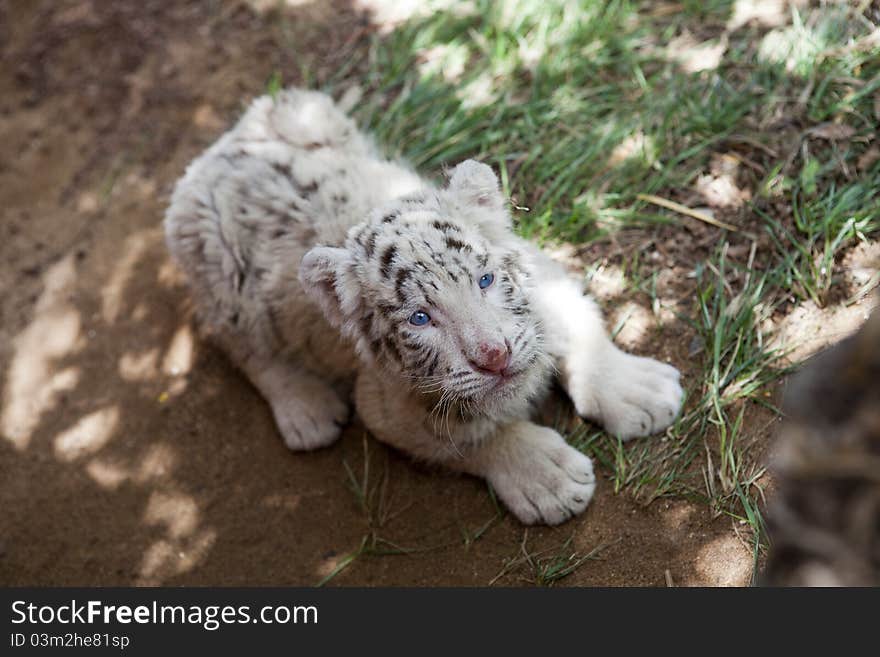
(313, 419)
(538, 476)
(631, 396)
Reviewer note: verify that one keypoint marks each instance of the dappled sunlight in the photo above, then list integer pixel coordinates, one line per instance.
(107, 474)
(184, 545)
(861, 270)
(677, 515)
(800, 46)
(694, 56)
(80, 374)
(718, 188)
(178, 513)
(87, 435)
(479, 92)
(389, 13)
(132, 251)
(167, 558)
(139, 366)
(262, 6)
(533, 51)
(808, 328)
(158, 462)
(180, 355)
(607, 282)
(32, 384)
(447, 60)
(724, 561)
(631, 324)
(765, 13)
(796, 36)
(637, 145)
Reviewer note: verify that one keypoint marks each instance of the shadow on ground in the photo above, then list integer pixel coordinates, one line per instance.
(131, 451)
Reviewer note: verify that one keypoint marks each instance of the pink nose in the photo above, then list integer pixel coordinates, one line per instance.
(492, 357)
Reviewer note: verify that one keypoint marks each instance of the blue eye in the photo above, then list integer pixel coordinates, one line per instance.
(486, 280)
(419, 318)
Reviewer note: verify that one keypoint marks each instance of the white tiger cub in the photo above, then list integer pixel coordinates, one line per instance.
(314, 259)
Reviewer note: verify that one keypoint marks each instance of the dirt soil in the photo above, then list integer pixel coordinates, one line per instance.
(131, 451)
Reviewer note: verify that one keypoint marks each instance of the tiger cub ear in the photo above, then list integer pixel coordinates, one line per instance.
(327, 276)
(476, 193)
(476, 184)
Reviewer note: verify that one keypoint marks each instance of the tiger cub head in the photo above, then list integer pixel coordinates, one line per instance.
(433, 289)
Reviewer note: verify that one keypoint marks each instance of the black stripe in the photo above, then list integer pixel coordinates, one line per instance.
(392, 349)
(458, 245)
(445, 226)
(519, 336)
(367, 324)
(433, 366)
(370, 245)
(419, 364)
(468, 390)
(387, 257)
(284, 169)
(386, 309)
(308, 190)
(400, 279)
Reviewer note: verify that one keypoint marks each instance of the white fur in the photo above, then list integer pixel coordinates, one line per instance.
(308, 252)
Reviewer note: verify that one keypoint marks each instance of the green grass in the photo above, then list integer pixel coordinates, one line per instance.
(547, 566)
(372, 494)
(582, 106)
(825, 219)
(547, 91)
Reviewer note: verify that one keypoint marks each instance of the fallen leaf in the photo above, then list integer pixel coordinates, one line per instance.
(832, 131)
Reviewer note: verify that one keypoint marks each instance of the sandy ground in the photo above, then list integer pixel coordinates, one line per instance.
(131, 451)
